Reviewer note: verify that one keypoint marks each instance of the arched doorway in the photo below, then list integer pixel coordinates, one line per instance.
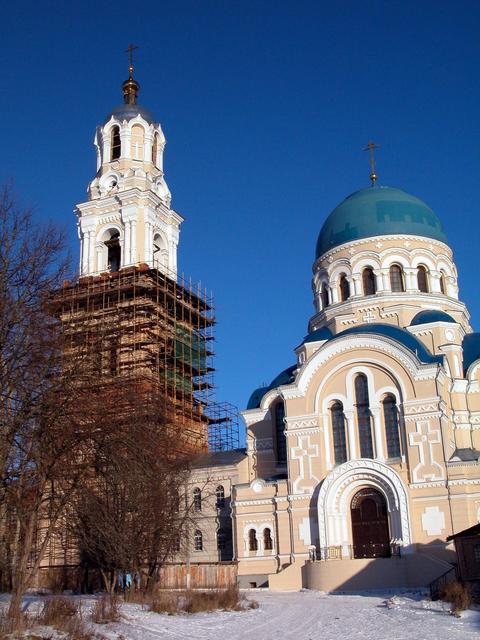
(370, 532)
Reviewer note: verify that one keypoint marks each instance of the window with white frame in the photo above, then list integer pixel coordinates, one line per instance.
(364, 420)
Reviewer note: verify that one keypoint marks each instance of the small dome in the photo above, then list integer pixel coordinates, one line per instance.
(318, 335)
(378, 211)
(285, 377)
(431, 315)
(471, 350)
(411, 342)
(130, 111)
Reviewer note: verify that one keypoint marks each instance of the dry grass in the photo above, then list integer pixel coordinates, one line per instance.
(458, 595)
(65, 614)
(7, 625)
(61, 614)
(106, 609)
(172, 602)
(56, 610)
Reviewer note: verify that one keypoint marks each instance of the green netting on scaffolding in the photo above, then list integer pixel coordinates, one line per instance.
(191, 349)
(175, 380)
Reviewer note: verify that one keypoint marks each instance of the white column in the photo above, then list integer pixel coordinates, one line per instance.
(84, 252)
(148, 244)
(435, 281)
(173, 256)
(352, 449)
(377, 433)
(333, 295)
(125, 137)
(357, 285)
(379, 281)
(385, 277)
(411, 282)
(91, 251)
(126, 244)
(148, 143)
(326, 441)
(100, 253)
(133, 242)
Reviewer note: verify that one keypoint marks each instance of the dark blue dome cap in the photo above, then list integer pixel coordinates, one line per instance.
(378, 211)
(432, 315)
(130, 111)
(285, 377)
(411, 342)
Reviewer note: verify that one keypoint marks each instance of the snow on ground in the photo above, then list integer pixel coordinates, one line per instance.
(309, 615)
(306, 615)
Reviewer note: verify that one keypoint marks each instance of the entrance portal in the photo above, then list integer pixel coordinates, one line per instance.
(371, 538)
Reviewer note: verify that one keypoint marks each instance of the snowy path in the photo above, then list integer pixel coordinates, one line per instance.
(305, 616)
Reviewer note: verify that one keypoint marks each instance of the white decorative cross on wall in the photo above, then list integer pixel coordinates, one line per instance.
(424, 438)
(304, 452)
(369, 317)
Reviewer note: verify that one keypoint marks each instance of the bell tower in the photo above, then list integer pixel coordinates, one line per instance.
(127, 220)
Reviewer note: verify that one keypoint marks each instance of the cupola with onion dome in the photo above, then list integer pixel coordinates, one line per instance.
(382, 255)
(128, 219)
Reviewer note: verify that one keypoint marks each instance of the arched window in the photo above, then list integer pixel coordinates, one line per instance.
(443, 287)
(368, 280)
(115, 143)
(344, 288)
(280, 439)
(221, 540)
(114, 251)
(220, 495)
(338, 430)
(198, 540)
(422, 279)
(155, 149)
(396, 278)
(160, 255)
(324, 296)
(267, 540)
(137, 142)
(362, 404)
(197, 499)
(252, 540)
(392, 432)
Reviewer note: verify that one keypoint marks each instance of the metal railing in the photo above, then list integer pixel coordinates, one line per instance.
(438, 585)
(356, 551)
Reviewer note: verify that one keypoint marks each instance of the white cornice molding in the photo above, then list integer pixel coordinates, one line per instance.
(375, 239)
(335, 347)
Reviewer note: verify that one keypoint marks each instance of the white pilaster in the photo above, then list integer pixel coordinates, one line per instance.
(377, 434)
(127, 254)
(91, 251)
(133, 242)
(357, 284)
(352, 448)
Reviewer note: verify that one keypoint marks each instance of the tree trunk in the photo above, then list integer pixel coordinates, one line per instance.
(21, 575)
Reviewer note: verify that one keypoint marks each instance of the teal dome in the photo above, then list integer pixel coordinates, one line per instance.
(378, 211)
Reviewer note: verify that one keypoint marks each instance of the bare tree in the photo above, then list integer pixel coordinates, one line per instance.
(39, 401)
(101, 456)
(127, 516)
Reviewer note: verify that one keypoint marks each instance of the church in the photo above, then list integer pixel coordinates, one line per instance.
(364, 453)
(362, 456)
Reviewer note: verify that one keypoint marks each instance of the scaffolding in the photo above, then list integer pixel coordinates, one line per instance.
(144, 323)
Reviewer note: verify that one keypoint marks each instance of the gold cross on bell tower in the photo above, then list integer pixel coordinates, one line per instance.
(130, 87)
(371, 146)
(130, 49)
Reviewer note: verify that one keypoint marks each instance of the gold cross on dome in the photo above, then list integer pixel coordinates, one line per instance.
(130, 49)
(371, 146)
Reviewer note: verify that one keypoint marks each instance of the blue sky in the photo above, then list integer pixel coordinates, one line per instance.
(266, 107)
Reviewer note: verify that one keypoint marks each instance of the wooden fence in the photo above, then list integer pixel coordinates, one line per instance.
(219, 575)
